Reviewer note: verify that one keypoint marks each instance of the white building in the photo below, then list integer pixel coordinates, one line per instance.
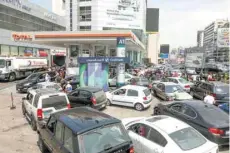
(153, 47)
(93, 15)
(200, 38)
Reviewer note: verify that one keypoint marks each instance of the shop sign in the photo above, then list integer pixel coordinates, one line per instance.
(50, 16)
(103, 60)
(58, 52)
(17, 3)
(21, 37)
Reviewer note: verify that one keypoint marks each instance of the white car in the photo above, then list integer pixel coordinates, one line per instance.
(47, 85)
(113, 81)
(164, 134)
(131, 96)
(184, 84)
(40, 103)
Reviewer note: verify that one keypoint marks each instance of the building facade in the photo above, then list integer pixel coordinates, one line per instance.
(21, 15)
(93, 15)
(200, 38)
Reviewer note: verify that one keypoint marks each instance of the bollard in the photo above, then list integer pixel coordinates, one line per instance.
(12, 102)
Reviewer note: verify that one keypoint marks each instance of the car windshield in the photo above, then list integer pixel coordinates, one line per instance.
(32, 77)
(56, 101)
(2, 63)
(173, 88)
(222, 89)
(102, 139)
(187, 139)
(183, 81)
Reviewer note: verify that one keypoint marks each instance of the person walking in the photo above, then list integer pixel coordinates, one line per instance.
(68, 88)
(209, 99)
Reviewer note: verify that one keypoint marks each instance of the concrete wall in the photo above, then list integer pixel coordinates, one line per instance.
(58, 7)
(153, 47)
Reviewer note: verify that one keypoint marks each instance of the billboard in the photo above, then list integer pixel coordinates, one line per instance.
(164, 56)
(127, 14)
(223, 37)
(152, 20)
(194, 60)
(164, 48)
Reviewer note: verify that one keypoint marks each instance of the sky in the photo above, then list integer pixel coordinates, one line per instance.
(181, 19)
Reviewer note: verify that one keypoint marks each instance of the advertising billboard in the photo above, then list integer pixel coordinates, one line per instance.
(128, 14)
(152, 20)
(223, 37)
(164, 48)
(194, 60)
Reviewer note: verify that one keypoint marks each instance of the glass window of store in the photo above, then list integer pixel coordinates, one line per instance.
(113, 52)
(5, 50)
(13, 50)
(21, 51)
(100, 50)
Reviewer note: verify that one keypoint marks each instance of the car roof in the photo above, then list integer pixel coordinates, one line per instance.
(83, 119)
(174, 77)
(90, 89)
(134, 87)
(42, 92)
(168, 83)
(47, 83)
(162, 122)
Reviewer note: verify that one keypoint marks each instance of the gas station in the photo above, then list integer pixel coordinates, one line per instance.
(94, 68)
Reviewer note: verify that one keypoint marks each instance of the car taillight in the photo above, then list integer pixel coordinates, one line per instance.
(187, 86)
(145, 98)
(216, 131)
(131, 150)
(39, 114)
(68, 106)
(150, 86)
(214, 95)
(93, 100)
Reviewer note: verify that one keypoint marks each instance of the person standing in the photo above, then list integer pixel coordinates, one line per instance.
(68, 88)
(209, 99)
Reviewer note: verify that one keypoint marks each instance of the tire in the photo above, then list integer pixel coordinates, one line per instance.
(33, 124)
(109, 102)
(42, 145)
(156, 111)
(139, 107)
(23, 110)
(12, 77)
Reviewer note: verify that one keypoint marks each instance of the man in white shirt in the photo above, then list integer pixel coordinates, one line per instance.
(209, 99)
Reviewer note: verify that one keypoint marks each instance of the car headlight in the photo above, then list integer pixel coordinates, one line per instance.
(27, 84)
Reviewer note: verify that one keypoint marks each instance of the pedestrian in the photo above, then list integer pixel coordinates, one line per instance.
(68, 88)
(47, 77)
(210, 77)
(209, 99)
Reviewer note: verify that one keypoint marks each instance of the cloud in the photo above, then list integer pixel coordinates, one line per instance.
(181, 19)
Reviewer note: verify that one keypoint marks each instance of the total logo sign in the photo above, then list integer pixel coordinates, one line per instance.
(36, 63)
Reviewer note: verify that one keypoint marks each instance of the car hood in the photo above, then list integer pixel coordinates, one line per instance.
(25, 82)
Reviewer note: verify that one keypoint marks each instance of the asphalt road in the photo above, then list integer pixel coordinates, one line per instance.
(16, 135)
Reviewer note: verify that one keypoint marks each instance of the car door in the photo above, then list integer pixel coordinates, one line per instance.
(84, 97)
(131, 98)
(75, 100)
(174, 110)
(118, 96)
(28, 103)
(158, 89)
(201, 90)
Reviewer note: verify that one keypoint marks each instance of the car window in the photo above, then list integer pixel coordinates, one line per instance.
(173, 88)
(84, 94)
(156, 137)
(132, 93)
(127, 77)
(29, 98)
(68, 140)
(51, 124)
(147, 92)
(159, 86)
(36, 99)
(58, 131)
(189, 112)
(120, 92)
(176, 107)
(75, 93)
(222, 89)
(203, 86)
(140, 129)
(56, 101)
(175, 81)
(183, 81)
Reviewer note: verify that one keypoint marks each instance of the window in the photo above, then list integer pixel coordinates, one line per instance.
(5, 50)
(68, 140)
(29, 98)
(84, 94)
(85, 28)
(13, 50)
(51, 124)
(21, 51)
(176, 107)
(85, 13)
(58, 131)
(132, 93)
(189, 112)
(175, 81)
(140, 129)
(159, 86)
(35, 104)
(120, 92)
(157, 138)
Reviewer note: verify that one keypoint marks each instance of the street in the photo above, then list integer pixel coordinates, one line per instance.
(16, 135)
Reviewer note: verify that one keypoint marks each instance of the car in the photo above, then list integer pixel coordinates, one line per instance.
(88, 96)
(83, 130)
(113, 81)
(165, 134)
(224, 107)
(219, 90)
(186, 85)
(141, 82)
(170, 91)
(208, 119)
(74, 81)
(47, 85)
(39, 104)
(191, 70)
(173, 72)
(131, 96)
(32, 80)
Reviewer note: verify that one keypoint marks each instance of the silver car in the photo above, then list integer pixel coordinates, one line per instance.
(184, 84)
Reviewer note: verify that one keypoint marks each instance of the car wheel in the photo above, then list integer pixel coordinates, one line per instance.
(109, 102)
(139, 107)
(33, 124)
(156, 111)
(12, 77)
(41, 145)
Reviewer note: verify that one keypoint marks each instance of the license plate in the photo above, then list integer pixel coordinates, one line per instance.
(227, 132)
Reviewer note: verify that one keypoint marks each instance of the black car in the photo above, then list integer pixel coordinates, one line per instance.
(74, 81)
(141, 82)
(88, 96)
(219, 90)
(32, 80)
(83, 130)
(208, 119)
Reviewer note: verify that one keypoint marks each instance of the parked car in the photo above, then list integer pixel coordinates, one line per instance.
(219, 90)
(46, 85)
(131, 96)
(74, 81)
(113, 81)
(154, 135)
(224, 107)
(186, 85)
(141, 82)
(191, 70)
(88, 96)
(208, 119)
(173, 72)
(170, 91)
(83, 130)
(32, 80)
(39, 104)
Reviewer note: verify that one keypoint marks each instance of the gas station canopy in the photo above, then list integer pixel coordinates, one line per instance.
(65, 39)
